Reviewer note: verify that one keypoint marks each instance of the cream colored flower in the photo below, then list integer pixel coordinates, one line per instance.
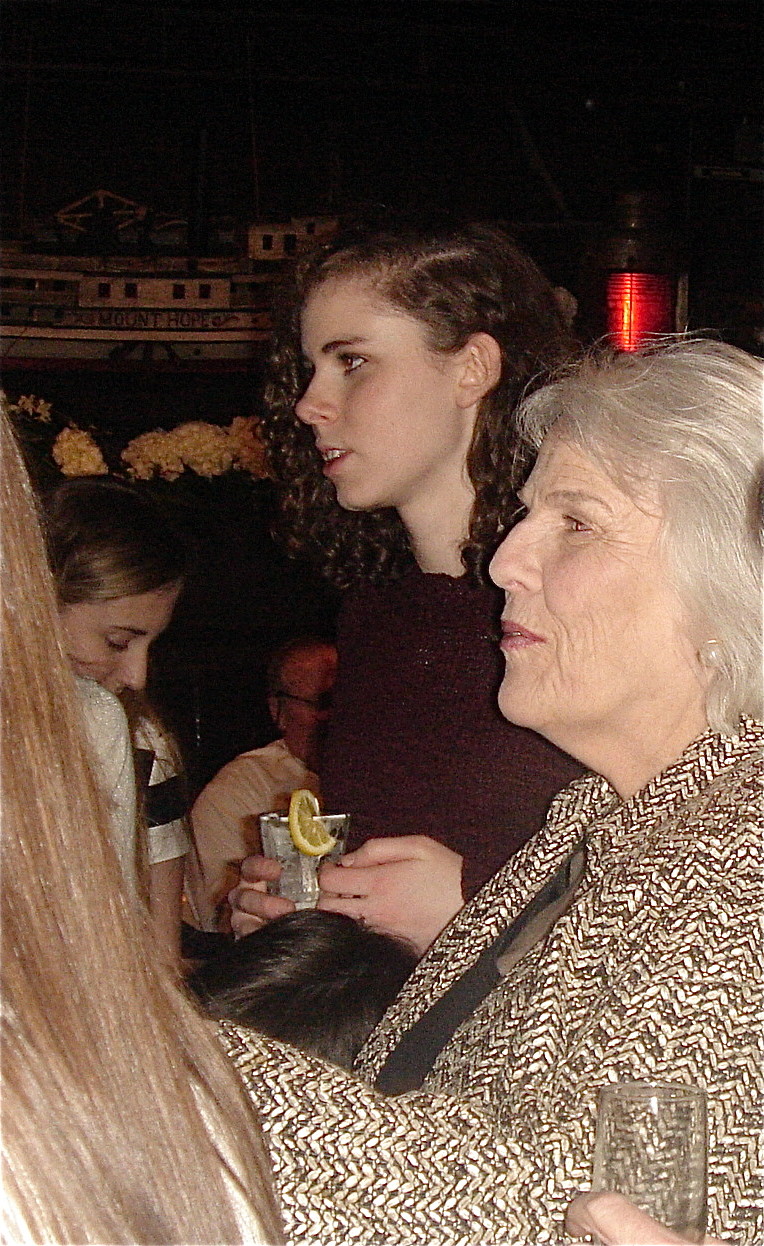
(152, 453)
(205, 448)
(37, 407)
(77, 454)
(249, 451)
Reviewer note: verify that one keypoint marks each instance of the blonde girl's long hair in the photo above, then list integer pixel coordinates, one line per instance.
(121, 1119)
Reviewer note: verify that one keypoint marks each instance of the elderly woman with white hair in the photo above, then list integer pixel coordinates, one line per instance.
(620, 943)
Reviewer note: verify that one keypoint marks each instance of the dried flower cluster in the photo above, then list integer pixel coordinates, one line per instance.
(77, 454)
(30, 405)
(249, 452)
(204, 448)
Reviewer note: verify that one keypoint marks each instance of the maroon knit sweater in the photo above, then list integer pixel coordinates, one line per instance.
(416, 743)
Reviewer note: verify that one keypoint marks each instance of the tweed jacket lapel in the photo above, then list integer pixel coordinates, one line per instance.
(488, 914)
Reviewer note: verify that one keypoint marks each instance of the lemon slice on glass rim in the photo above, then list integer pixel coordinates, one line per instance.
(309, 835)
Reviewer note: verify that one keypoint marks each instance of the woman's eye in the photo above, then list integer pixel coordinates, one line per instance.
(351, 362)
(576, 525)
(119, 646)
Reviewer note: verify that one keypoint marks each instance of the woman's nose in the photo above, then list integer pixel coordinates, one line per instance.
(315, 406)
(133, 669)
(514, 563)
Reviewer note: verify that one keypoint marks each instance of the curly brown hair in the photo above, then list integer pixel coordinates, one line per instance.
(455, 280)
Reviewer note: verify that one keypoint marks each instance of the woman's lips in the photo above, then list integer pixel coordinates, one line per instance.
(513, 636)
(332, 455)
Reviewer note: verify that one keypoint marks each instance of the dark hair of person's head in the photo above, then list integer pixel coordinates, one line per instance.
(109, 539)
(320, 981)
(455, 280)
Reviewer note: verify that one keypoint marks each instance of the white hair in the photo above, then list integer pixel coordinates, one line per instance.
(683, 417)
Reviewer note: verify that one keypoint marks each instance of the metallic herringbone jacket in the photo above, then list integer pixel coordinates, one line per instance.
(653, 972)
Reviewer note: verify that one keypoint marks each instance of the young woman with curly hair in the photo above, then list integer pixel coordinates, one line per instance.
(399, 355)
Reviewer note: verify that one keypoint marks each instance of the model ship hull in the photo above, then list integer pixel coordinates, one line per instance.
(107, 308)
(62, 311)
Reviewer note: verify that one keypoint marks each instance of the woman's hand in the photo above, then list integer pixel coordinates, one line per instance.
(617, 1222)
(251, 906)
(409, 886)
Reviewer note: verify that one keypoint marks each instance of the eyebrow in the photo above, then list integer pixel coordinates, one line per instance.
(124, 627)
(572, 497)
(336, 344)
(328, 347)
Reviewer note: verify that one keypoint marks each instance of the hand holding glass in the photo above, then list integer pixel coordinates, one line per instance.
(651, 1147)
(298, 880)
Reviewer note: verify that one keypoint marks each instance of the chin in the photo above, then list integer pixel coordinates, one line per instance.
(348, 500)
(515, 709)
(361, 494)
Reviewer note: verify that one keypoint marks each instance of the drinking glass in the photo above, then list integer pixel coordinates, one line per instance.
(298, 880)
(651, 1147)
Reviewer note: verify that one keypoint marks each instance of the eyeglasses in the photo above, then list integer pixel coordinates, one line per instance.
(320, 703)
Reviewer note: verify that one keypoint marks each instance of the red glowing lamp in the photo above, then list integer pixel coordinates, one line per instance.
(639, 305)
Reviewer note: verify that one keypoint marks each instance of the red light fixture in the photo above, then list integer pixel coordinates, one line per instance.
(639, 305)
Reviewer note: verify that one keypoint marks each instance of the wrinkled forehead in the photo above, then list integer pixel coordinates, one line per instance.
(601, 460)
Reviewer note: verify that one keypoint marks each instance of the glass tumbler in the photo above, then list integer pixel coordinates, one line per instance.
(298, 880)
(651, 1146)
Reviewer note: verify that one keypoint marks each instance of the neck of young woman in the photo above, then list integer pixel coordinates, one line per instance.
(437, 529)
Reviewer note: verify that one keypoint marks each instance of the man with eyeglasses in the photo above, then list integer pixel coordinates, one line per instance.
(300, 678)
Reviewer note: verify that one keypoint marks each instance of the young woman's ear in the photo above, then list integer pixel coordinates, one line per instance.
(480, 369)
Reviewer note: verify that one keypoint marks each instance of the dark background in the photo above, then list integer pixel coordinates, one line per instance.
(535, 112)
(527, 109)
